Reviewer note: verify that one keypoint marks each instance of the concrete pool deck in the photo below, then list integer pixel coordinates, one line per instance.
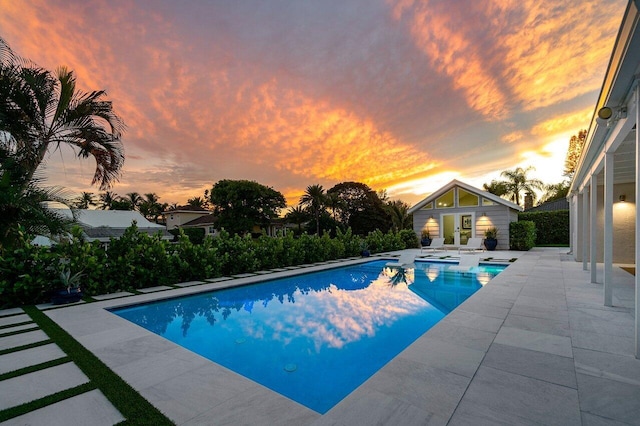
(534, 346)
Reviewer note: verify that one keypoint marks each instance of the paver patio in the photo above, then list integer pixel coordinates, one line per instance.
(534, 346)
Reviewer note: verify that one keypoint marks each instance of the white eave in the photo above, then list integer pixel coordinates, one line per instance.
(489, 196)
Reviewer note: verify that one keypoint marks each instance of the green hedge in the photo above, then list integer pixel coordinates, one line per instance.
(522, 235)
(552, 227)
(138, 260)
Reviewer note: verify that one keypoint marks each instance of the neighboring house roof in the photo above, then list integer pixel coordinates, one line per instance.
(186, 208)
(561, 204)
(109, 218)
(104, 224)
(466, 187)
(209, 219)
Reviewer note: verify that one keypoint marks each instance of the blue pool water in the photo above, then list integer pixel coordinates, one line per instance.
(313, 337)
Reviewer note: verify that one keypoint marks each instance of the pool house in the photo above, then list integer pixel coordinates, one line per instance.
(458, 211)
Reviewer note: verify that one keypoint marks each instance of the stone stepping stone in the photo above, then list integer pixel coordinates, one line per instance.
(26, 358)
(36, 385)
(15, 319)
(89, 408)
(22, 339)
(10, 311)
(18, 328)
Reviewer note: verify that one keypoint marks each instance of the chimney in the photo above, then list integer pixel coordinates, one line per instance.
(528, 201)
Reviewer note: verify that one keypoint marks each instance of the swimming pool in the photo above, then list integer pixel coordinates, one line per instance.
(313, 337)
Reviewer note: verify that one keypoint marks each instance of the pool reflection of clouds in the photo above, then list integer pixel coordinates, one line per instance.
(368, 309)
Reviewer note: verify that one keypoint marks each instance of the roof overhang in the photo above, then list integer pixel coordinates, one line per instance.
(433, 196)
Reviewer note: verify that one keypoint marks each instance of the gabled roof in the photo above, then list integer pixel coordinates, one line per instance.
(108, 218)
(472, 189)
(209, 219)
(186, 209)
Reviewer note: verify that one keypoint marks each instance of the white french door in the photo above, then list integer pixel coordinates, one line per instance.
(457, 228)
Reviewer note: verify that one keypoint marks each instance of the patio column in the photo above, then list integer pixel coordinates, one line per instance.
(593, 226)
(637, 256)
(585, 229)
(608, 228)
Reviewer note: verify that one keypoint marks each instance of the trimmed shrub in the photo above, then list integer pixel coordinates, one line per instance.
(409, 238)
(137, 260)
(522, 235)
(552, 227)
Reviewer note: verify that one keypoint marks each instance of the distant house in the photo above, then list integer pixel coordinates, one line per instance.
(206, 222)
(181, 215)
(550, 206)
(102, 225)
(458, 211)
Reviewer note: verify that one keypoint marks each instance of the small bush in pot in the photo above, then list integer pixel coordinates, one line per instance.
(491, 238)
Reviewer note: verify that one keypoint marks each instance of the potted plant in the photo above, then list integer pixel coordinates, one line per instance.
(69, 290)
(491, 238)
(425, 239)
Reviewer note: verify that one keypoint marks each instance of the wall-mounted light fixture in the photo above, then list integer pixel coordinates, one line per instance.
(607, 115)
(430, 217)
(484, 214)
(622, 198)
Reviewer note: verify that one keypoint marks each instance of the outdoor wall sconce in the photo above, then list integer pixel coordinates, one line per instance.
(430, 217)
(622, 198)
(483, 214)
(608, 114)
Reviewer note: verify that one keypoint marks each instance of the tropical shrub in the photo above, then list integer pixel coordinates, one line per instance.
(522, 235)
(552, 227)
(137, 260)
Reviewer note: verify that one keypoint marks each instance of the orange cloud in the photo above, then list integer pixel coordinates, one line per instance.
(567, 122)
(454, 53)
(500, 52)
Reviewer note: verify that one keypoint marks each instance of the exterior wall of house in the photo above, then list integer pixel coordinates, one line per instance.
(623, 226)
(179, 218)
(485, 217)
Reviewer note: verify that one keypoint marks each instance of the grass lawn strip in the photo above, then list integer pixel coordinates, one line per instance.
(136, 409)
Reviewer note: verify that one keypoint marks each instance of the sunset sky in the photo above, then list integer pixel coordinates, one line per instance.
(403, 95)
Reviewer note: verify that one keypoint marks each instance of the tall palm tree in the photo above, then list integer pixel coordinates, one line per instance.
(150, 207)
(400, 219)
(134, 199)
(517, 182)
(43, 110)
(314, 199)
(198, 202)
(107, 199)
(335, 203)
(298, 216)
(23, 210)
(85, 200)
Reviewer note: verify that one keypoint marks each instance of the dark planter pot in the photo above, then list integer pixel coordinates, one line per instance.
(425, 242)
(62, 296)
(365, 253)
(490, 243)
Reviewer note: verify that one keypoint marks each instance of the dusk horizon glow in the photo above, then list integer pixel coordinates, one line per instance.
(403, 95)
